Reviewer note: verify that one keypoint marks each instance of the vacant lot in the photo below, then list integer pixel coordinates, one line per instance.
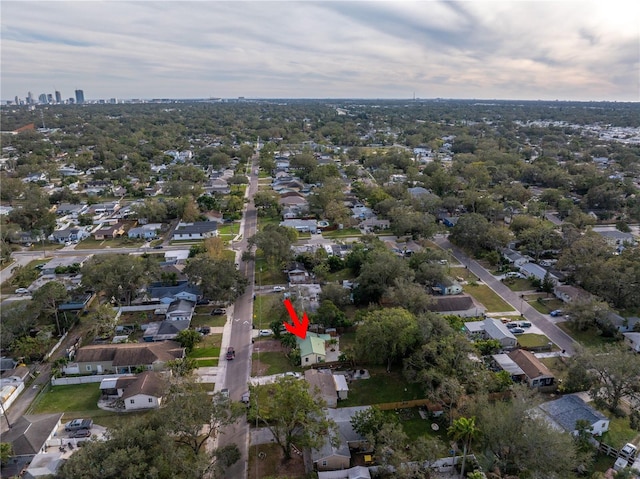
(533, 341)
(487, 297)
(271, 362)
(382, 387)
(76, 398)
(265, 460)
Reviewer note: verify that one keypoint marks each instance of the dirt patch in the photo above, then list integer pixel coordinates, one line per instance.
(266, 345)
(265, 460)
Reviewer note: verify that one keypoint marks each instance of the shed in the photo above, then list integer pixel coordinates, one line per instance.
(342, 388)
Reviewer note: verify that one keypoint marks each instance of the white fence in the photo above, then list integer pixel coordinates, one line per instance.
(86, 379)
(57, 345)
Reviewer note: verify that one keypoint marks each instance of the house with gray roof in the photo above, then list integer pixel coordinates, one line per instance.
(195, 231)
(532, 270)
(28, 436)
(180, 310)
(491, 328)
(168, 294)
(565, 412)
(322, 385)
(617, 238)
(331, 457)
(303, 226)
(148, 231)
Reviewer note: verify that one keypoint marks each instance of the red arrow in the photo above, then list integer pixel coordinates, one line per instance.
(299, 328)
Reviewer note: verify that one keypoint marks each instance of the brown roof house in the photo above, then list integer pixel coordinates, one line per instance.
(537, 375)
(109, 231)
(124, 358)
(144, 391)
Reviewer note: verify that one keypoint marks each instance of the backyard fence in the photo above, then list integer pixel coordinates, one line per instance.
(86, 379)
(56, 346)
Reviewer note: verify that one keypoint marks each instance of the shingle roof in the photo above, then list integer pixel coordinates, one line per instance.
(29, 433)
(531, 365)
(130, 354)
(148, 383)
(567, 410)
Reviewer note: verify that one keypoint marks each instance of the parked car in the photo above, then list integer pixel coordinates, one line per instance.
(77, 424)
(525, 324)
(265, 332)
(231, 353)
(514, 274)
(245, 398)
(158, 247)
(80, 433)
(556, 312)
(628, 451)
(224, 392)
(203, 329)
(22, 291)
(277, 289)
(517, 331)
(292, 374)
(218, 311)
(511, 325)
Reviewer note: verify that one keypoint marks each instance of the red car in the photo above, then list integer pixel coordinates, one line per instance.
(231, 353)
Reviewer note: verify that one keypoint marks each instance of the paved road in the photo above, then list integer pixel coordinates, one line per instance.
(235, 374)
(553, 332)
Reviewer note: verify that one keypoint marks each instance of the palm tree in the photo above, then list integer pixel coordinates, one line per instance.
(464, 429)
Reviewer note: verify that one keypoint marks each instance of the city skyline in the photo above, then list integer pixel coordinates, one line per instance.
(585, 51)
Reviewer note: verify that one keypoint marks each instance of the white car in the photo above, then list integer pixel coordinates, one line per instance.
(514, 274)
(278, 289)
(265, 332)
(22, 291)
(291, 374)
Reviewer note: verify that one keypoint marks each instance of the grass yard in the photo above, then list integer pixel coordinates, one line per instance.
(619, 432)
(229, 229)
(206, 319)
(206, 363)
(210, 352)
(414, 426)
(276, 361)
(75, 398)
(121, 242)
(262, 306)
(347, 340)
(518, 284)
(382, 387)
(487, 297)
(589, 338)
(266, 275)
(344, 233)
(529, 340)
(557, 366)
(546, 305)
(265, 460)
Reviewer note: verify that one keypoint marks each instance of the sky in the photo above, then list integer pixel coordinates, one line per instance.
(483, 49)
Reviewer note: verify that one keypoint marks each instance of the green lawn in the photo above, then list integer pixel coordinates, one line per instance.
(382, 387)
(619, 432)
(206, 319)
(557, 366)
(262, 306)
(518, 284)
(277, 362)
(344, 233)
(267, 275)
(341, 275)
(547, 305)
(347, 340)
(204, 363)
(122, 242)
(211, 352)
(76, 398)
(529, 340)
(588, 338)
(414, 426)
(230, 229)
(487, 297)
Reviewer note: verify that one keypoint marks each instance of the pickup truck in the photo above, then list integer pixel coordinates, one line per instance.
(78, 424)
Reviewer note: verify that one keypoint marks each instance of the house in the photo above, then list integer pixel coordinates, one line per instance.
(313, 348)
(418, 191)
(374, 224)
(68, 234)
(532, 270)
(568, 293)
(124, 357)
(109, 231)
(78, 302)
(145, 391)
(176, 256)
(330, 457)
(105, 208)
(617, 238)
(491, 328)
(356, 472)
(28, 435)
(180, 310)
(63, 262)
(294, 200)
(195, 231)
(303, 226)
(44, 465)
(297, 273)
(537, 375)
(164, 330)
(632, 340)
(64, 209)
(292, 212)
(503, 362)
(462, 305)
(447, 287)
(450, 221)
(622, 324)
(513, 257)
(565, 412)
(168, 294)
(7, 364)
(217, 185)
(147, 232)
(321, 384)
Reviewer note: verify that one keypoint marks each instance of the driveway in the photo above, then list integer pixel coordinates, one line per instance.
(541, 321)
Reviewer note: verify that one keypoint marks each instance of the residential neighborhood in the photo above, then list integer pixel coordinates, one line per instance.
(436, 292)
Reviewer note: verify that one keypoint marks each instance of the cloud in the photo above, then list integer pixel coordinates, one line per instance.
(472, 49)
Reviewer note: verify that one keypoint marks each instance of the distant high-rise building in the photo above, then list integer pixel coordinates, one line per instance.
(17, 100)
(30, 98)
(72, 100)
(49, 98)
(58, 97)
(42, 98)
(79, 97)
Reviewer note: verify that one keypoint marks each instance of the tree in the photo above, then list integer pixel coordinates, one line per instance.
(275, 243)
(218, 279)
(464, 429)
(49, 296)
(329, 315)
(377, 274)
(614, 372)
(102, 321)
(292, 413)
(120, 276)
(470, 232)
(6, 451)
(408, 295)
(386, 335)
(369, 422)
(188, 338)
(182, 366)
(196, 417)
